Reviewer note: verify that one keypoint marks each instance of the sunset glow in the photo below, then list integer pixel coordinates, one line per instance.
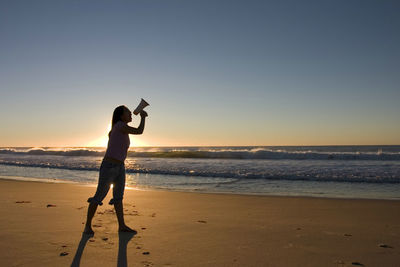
(270, 78)
(102, 141)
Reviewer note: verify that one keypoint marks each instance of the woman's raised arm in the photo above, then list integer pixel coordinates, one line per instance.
(132, 130)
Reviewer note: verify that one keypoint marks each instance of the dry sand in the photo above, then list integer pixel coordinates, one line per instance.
(194, 229)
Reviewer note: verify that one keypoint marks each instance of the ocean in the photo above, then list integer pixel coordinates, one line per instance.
(312, 171)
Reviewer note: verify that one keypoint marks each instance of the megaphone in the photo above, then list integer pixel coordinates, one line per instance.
(140, 107)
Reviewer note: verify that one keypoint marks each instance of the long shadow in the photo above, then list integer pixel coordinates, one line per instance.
(123, 237)
(78, 254)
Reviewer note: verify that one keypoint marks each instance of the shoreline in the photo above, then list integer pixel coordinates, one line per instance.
(88, 184)
(61, 181)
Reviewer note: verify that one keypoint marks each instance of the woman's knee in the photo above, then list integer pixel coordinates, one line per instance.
(114, 201)
(93, 200)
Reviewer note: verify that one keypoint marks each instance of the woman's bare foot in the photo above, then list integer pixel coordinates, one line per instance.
(88, 230)
(125, 228)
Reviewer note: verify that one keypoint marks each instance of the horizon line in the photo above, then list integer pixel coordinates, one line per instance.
(198, 146)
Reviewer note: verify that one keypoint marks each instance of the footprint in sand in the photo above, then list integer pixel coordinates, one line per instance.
(145, 253)
(357, 263)
(109, 211)
(143, 228)
(63, 253)
(105, 238)
(22, 201)
(50, 205)
(200, 221)
(147, 263)
(384, 246)
(153, 215)
(348, 235)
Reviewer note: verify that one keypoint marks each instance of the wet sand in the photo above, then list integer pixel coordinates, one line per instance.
(41, 225)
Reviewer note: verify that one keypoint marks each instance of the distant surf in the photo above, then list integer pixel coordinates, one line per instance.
(378, 164)
(296, 153)
(372, 171)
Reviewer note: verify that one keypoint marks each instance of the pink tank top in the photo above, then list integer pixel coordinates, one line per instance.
(118, 142)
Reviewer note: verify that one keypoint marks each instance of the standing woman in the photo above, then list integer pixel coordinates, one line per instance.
(112, 168)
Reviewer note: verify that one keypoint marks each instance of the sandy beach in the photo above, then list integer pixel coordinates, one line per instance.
(41, 225)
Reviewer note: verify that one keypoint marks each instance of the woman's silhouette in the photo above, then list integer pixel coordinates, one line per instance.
(112, 168)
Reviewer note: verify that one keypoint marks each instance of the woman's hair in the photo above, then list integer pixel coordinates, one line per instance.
(118, 111)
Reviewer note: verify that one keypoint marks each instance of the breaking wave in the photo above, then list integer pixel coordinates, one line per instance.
(212, 153)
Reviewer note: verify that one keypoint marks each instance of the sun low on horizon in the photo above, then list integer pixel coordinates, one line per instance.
(102, 141)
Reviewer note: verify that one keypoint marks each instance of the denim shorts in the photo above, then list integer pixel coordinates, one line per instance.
(110, 173)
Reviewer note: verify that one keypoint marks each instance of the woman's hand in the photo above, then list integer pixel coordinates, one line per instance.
(143, 114)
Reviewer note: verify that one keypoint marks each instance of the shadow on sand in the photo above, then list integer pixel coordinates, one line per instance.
(122, 261)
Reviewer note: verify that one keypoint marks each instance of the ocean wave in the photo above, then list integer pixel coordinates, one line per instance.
(381, 175)
(254, 153)
(74, 153)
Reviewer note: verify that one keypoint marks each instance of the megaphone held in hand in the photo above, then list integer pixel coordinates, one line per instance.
(140, 107)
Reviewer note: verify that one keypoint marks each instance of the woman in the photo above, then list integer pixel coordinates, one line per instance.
(112, 168)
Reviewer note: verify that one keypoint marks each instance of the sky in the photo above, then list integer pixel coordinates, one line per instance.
(215, 73)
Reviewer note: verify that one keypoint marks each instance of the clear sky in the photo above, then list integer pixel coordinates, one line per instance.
(214, 72)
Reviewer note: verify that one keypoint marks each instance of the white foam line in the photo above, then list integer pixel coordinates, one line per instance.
(59, 181)
(33, 179)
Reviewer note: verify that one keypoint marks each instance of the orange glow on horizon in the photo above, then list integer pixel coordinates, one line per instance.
(103, 140)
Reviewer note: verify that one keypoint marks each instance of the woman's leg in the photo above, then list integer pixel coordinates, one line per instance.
(91, 211)
(119, 210)
(118, 193)
(105, 175)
